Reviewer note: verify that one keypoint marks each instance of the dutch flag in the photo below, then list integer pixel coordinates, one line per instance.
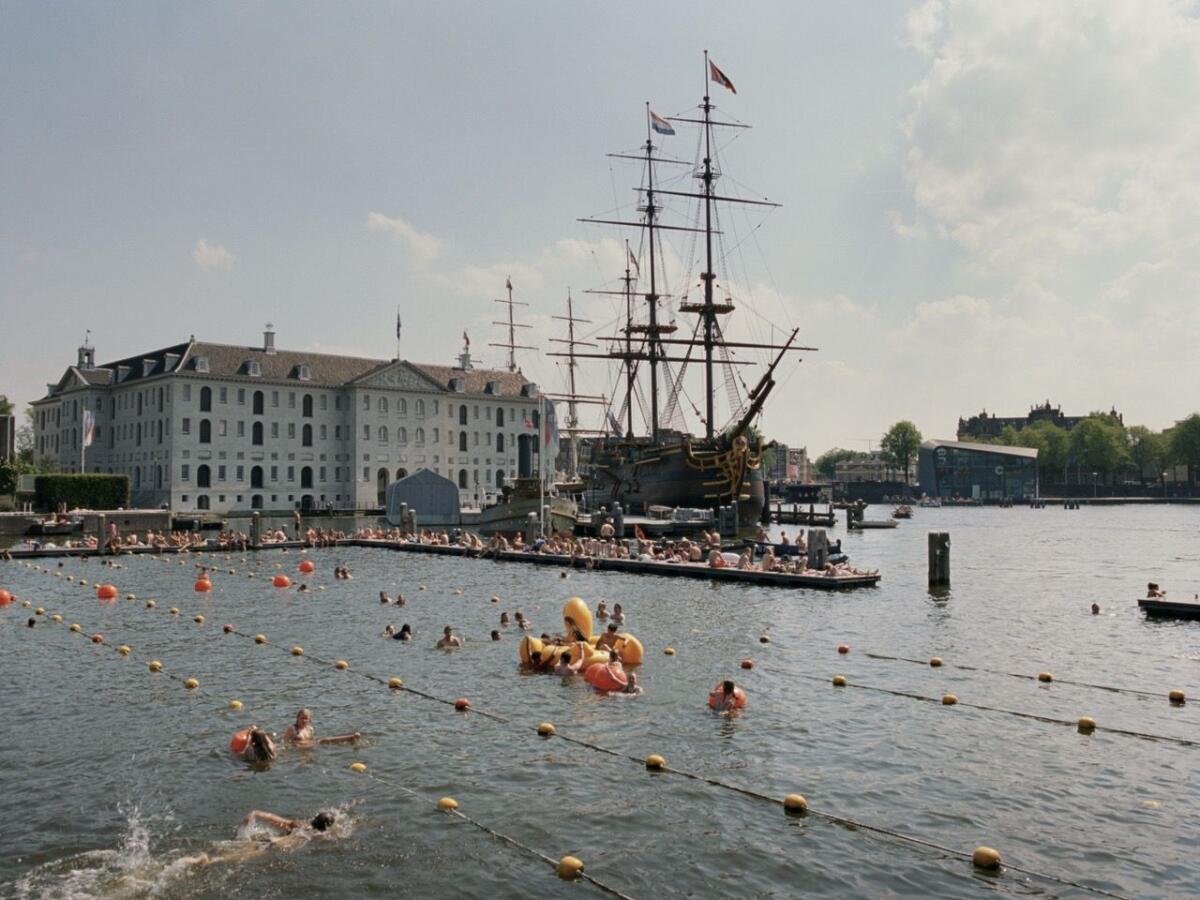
(659, 124)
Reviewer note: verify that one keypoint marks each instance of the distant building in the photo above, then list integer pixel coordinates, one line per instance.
(985, 425)
(8, 438)
(778, 470)
(799, 466)
(972, 471)
(204, 426)
(872, 467)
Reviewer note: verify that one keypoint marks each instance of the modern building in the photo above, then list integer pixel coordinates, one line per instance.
(985, 425)
(200, 425)
(970, 471)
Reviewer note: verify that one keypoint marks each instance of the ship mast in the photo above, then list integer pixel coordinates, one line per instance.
(572, 397)
(511, 346)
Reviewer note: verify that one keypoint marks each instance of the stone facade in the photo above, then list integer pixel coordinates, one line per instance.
(989, 425)
(216, 426)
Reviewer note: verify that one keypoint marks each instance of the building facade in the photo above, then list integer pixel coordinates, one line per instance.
(985, 425)
(216, 426)
(968, 471)
(872, 467)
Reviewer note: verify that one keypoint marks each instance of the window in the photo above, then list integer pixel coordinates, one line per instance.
(220, 473)
(291, 399)
(337, 432)
(324, 432)
(436, 431)
(462, 414)
(304, 373)
(291, 473)
(206, 399)
(402, 435)
(222, 428)
(256, 477)
(383, 434)
(474, 438)
(187, 393)
(241, 474)
(462, 441)
(499, 444)
(241, 396)
(275, 398)
(366, 473)
(205, 432)
(291, 431)
(186, 426)
(402, 407)
(185, 472)
(274, 473)
(475, 414)
(306, 408)
(383, 404)
(256, 436)
(224, 395)
(324, 402)
(322, 474)
(366, 432)
(462, 478)
(253, 369)
(500, 418)
(274, 430)
(499, 478)
(419, 408)
(241, 429)
(306, 435)
(258, 403)
(367, 407)
(306, 477)
(420, 437)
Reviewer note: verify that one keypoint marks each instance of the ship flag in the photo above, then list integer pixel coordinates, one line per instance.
(661, 125)
(633, 262)
(720, 77)
(466, 340)
(89, 427)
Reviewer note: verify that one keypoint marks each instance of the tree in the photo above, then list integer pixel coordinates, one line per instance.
(1099, 443)
(826, 463)
(1184, 447)
(900, 445)
(1146, 450)
(6, 407)
(1051, 442)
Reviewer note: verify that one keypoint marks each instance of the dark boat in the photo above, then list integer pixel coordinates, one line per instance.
(667, 466)
(1156, 606)
(67, 526)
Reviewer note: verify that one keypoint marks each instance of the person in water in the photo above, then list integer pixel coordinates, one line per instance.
(618, 614)
(301, 733)
(1095, 609)
(449, 639)
(285, 833)
(389, 631)
(608, 640)
(384, 598)
(564, 666)
(259, 746)
(601, 610)
(323, 821)
(503, 618)
(404, 634)
(495, 635)
(726, 696)
(1152, 590)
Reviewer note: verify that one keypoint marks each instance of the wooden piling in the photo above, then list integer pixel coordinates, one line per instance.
(818, 548)
(939, 558)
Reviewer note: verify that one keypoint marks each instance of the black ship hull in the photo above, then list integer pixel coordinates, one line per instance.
(700, 475)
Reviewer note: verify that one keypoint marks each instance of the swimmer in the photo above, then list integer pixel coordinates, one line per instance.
(564, 666)
(1095, 609)
(608, 640)
(31, 623)
(400, 599)
(301, 733)
(495, 635)
(404, 634)
(631, 686)
(259, 746)
(389, 632)
(726, 699)
(288, 833)
(449, 639)
(302, 589)
(384, 598)
(503, 618)
(522, 622)
(618, 614)
(574, 633)
(601, 610)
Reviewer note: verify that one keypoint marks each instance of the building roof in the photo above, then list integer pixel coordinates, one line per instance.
(1002, 449)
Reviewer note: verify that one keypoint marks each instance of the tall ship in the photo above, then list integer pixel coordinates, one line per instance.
(661, 463)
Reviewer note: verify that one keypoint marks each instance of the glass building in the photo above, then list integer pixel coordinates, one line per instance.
(970, 471)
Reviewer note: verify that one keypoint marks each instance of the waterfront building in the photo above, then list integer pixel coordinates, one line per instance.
(872, 467)
(777, 471)
(200, 425)
(989, 426)
(971, 471)
(799, 466)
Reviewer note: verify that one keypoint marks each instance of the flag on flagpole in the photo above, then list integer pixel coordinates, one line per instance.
(633, 261)
(659, 124)
(89, 427)
(397, 325)
(508, 283)
(466, 340)
(720, 77)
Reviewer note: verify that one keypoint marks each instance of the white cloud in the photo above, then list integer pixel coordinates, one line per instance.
(212, 257)
(425, 246)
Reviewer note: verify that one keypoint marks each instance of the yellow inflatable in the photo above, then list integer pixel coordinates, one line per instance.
(577, 622)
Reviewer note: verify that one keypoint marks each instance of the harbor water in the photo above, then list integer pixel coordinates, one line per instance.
(109, 774)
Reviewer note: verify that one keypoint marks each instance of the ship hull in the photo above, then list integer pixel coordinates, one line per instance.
(513, 517)
(639, 475)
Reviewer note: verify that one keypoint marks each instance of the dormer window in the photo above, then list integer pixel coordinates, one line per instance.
(492, 387)
(201, 363)
(253, 369)
(303, 372)
(456, 385)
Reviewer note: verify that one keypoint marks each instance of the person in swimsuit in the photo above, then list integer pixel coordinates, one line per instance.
(301, 733)
(259, 747)
(449, 639)
(601, 610)
(608, 640)
(404, 634)
(618, 614)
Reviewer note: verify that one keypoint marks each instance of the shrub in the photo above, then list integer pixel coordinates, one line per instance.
(82, 491)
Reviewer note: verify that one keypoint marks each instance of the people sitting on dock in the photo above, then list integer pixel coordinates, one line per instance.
(449, 639)
(1153, 590)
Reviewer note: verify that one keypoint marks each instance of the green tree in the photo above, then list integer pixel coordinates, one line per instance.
(1099, 443)
(1051, 442)
(6, 407)
(1147, 450)
(1184, 448)
(826, 463)
(900, 445)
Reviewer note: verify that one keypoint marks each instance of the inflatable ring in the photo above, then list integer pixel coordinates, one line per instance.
(716, 697)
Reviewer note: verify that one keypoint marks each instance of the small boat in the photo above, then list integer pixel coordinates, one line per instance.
(930, 503)
(520, 498)
(1156, 606)
(56, 526)
(864, 524)
(902, 512)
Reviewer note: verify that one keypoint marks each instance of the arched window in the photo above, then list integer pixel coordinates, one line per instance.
(306, 435)
(381, 483)
(256, 479)
(383, 406)
(401, 473)
(499, 443)
(462, 478)
(258, 407)
(500, 417)
(205, 399)
(256, 434)
(158, 476)
(383, 434)
(205, 431)
(462, 441)
(306, 406)
(462, 414)
(419, 408)
(203, 476)
(256, 502)
(306, 477)
(499, 478)
(402, 435)
(202, 501)
(402, 407)
(420, 436)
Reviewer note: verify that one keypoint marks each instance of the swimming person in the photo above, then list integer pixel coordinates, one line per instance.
(1095, 609)
(449, 639)
(301, 733)
(286, 834)
(601, 610)
(384, 598)
(404, 634)
(618, 614)
(495, 635)
(390, 631)
(319, 823)
(259, 746)
(608, 640)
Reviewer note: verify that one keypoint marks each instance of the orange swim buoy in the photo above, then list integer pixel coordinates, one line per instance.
(716, 697)
(603, 678)
(107, 592)
(240, 741)
(281, 581)
(5, 597)
(203, 586)
(308, 566)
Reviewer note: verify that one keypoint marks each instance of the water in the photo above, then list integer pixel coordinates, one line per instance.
(109, 775)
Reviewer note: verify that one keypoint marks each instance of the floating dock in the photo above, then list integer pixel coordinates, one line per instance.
(1173, 608)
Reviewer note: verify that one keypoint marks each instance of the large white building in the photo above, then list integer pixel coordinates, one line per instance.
(221, 427)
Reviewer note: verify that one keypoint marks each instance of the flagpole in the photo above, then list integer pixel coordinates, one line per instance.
(541, 464)
(397, 332)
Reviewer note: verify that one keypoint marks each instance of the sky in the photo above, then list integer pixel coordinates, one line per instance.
(984, 205)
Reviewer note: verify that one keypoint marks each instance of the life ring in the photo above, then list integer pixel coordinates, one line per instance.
(717, 695)
(240, 741)
(603, 678)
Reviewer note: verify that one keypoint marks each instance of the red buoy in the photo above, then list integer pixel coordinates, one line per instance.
(203, 586)
(747, 664)
(227, 628)
(843, 648)
(308, 566)
(5, 597)
(281, 581)
(462, 704)
(107, 592)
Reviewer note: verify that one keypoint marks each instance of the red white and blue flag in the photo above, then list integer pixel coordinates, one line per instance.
(659, 124)
(720, 77)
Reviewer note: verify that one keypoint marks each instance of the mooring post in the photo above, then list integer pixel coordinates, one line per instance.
(256, 529)
(818, 548)
(939, 557)
(101, 532)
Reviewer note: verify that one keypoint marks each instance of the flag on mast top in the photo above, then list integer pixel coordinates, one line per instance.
(720, 77)
(508, 282)
(659, 124)
(633, 262)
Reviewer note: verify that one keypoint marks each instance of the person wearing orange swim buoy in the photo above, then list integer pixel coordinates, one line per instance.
(726, 697)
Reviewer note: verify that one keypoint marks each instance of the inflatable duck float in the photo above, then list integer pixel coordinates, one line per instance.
(580, 644)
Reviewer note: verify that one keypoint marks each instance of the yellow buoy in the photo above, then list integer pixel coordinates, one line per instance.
(1177, 697)
(986, 858)
(668, 651)
(198, 619)
(359, 767)
(154, 666)
(395, 684)
(26, 604)
(546, 729)
(131, 596)
(75, 626)
(41, 611)
(297, 651)
(235, 704)
(949, 700)
(1045, 677)
(56, 618)
(795, 803)
(1086, 724)
(150, 604)
(191, 684)
(655, 762)
(124, 650)
(422, 587)
(260, 639)
(495, 599)
(341, 664)
(569, 868)
(839, 680)
(935, 661)
(174, 610)
(447, 803)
